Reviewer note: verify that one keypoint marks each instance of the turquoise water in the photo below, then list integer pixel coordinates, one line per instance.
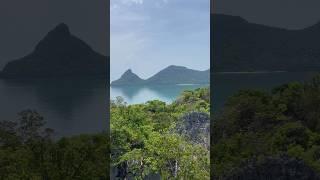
(224, 85)
(141, 94)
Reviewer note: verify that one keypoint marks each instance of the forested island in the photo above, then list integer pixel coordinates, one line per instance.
(269, 135)
(167, 140)
(59, 54)
(168, 76)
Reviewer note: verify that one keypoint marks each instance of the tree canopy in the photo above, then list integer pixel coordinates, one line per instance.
(28, 150)
(156, 138)
(256, 125)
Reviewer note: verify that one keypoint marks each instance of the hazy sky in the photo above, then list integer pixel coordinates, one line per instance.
(290, 14)
(25, 22)
(149, 35)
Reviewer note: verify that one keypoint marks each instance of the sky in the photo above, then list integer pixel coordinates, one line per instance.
(289, 14)
(149, 35)
(25, 22)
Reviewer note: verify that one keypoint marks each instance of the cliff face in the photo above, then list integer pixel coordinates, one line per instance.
(58, 54)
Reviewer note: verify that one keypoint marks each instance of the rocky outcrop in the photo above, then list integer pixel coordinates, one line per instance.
(195, 126)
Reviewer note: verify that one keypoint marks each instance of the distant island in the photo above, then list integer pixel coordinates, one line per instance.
(240, 46)
(170, 75)
(58, 54)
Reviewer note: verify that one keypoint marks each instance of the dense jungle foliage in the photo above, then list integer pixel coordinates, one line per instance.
(168, 140)
(269, 135)
(29, 151)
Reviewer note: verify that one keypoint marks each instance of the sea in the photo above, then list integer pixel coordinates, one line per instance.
(78, 106)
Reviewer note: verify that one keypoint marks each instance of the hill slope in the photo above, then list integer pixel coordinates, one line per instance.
(179, 75)
(238, 45)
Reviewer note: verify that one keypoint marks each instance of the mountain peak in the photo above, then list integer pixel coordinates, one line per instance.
(129, 71)
(61, 29)
(60, 41)
(128, 78)
(129, 74)
(55, 39)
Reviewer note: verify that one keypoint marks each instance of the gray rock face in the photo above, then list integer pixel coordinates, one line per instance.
(58, 54)
(196, 127)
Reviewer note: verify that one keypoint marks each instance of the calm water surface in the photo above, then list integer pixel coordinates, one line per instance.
(75, 106)
(141, 94)
(70, 106)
